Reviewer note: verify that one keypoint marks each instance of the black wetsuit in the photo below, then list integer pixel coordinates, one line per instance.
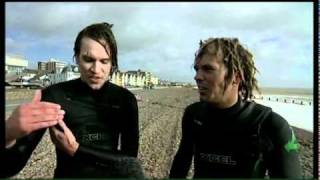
(104, 122)
(235, 143)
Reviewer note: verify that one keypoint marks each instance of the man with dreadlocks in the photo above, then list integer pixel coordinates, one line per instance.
(227, 134)
(92, 122)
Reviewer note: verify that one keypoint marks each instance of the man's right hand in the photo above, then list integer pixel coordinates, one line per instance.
(32, 116)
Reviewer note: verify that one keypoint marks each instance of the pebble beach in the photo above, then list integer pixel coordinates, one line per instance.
(160, 113)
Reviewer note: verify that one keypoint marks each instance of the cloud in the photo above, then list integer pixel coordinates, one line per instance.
(162, 37)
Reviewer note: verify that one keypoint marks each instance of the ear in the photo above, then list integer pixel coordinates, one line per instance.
(236, 78)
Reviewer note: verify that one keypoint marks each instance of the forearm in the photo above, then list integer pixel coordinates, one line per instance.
(119, 165)
(181, 165)
(89, 154)
(16, 156)
(10, 144)
(130, 130)
(130, 144)
(285, 165)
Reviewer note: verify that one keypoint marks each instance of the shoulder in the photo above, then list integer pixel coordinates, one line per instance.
(257, 108)
(194, 107)
(276, 122)
(277, 128)
(57, 89)
(273, 120)
(60, 86)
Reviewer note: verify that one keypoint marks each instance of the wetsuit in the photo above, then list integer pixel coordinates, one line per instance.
(104, 122)
(236, 143)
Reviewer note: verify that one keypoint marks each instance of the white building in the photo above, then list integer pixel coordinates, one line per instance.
(154, 80)
(15, 64)
(51, 66)
(134, 78)
(68, 73)
(28, 74)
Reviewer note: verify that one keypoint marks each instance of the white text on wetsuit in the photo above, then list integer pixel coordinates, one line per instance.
(215, 158)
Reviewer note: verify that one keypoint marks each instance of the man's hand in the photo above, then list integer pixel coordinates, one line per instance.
(65, 139)
(30, 117)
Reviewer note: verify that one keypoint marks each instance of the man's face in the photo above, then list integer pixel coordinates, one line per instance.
(210, 78)
(94, 63)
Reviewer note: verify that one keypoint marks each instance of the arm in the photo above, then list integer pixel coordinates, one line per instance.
(283, 161)
(130, 127)
(16, 157)
(122, 165)
(24, 129)
(182, 160)
(66, 141)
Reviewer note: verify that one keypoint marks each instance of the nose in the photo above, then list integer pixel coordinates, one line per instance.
(198, 76)
(95, 67)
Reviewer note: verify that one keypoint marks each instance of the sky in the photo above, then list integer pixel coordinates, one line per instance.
(162, 37)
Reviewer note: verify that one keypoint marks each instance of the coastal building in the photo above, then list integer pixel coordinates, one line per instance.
(15, 64)
(118, 78)
(51, 66)
(42, 66)
(28, 74)
(137, 78)
(154, 80)
(67, 73)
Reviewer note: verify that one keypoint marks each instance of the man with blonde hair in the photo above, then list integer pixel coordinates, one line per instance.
(227, 134)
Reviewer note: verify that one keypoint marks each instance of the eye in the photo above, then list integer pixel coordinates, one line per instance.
(207, 68)
(195, 68)
(105, 61)
(87, 59)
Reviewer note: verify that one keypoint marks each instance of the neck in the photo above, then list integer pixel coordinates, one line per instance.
(226, 102)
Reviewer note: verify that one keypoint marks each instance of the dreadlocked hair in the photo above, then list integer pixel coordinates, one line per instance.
(237, 60)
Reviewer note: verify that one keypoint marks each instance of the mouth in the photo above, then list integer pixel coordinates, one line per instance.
(202, 88)
(94, 79)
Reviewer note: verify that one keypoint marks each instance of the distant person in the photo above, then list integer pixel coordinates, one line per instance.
(93, 122)
(227, 134)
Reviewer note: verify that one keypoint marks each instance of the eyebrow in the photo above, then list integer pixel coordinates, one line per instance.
(89, 57)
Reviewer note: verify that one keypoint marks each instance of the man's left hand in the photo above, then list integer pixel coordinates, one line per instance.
(65, 139)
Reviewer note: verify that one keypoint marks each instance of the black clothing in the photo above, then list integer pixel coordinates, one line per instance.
(104, 122)
(227, 143)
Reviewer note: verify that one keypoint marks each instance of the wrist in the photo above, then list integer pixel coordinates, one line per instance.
(10, 137)
(11, 143)
(75, 147)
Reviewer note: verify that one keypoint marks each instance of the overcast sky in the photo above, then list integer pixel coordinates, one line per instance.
(162, 37)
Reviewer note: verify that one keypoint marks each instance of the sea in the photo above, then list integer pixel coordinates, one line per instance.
(293, 104)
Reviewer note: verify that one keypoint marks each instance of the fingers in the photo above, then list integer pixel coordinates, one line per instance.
(65, 128)
(41, 125)
(47, 112)
(63, 125)
(37, 96)
(40, 105)
(42, 111)
(55, 134)
(43, 118)
(67, 132)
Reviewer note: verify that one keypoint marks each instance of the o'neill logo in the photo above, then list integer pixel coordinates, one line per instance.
(216, 158)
